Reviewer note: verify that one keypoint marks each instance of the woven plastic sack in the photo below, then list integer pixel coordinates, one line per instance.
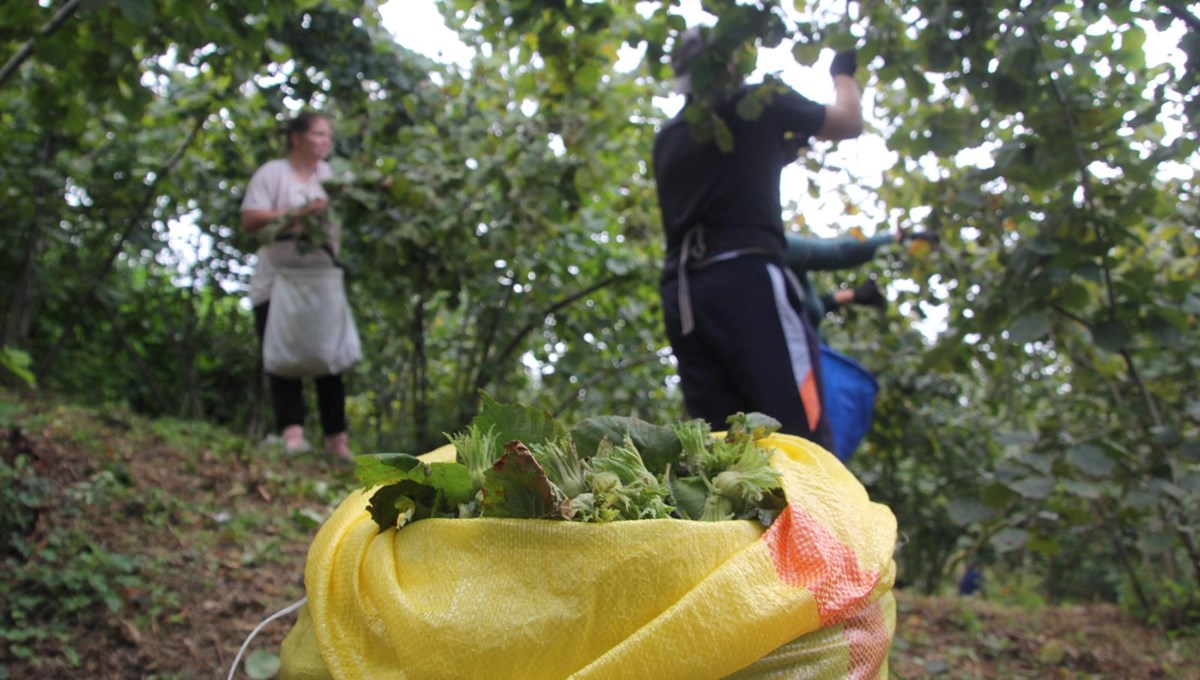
(310, 330)
(810, 597)
(849, 399)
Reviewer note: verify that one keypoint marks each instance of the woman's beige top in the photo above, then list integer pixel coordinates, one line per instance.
(275, 186)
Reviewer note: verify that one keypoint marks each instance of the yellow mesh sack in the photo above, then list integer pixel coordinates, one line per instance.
(810, 597)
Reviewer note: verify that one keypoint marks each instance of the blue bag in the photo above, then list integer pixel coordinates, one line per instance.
(849, 399)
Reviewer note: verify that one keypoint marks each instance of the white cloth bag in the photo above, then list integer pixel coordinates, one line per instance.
(310, 330)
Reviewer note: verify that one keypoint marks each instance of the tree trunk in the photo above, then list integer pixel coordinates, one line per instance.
(191, 405)
(420, 398)
(19, 316)
(132, 222)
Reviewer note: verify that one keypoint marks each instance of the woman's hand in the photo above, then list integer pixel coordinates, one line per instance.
(282, 221)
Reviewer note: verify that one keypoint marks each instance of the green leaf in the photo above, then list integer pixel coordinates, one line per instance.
(1164, 434)
(1091, 459)
(1074, 297)
(1190, 483)
(839, 41)
(1143, 499)
(1016, 438)
(261, 664)
(19, 364)
(1036, 488)
(307, 518)
(1029, 327)
(657, 445)
(1047, 546)
(1155, 543)
(1111, 336)
(516, 422)
(588, 76)
(383, 468)
(390, 502)
(1190, 451)
(722, 134)
(1191, 304)
(1009, 539)
(423, 490)
(750, 107)
(517, 487)
(1133, 39)
(8, 409)
(1086, 490)
(995, 495)
(806, 53)
(452, 480)
(1052, 653)
(968, 511)
(139, 12)
(689, 495)
(1037, 460)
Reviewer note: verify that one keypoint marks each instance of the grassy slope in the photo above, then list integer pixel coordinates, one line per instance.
(138, 548)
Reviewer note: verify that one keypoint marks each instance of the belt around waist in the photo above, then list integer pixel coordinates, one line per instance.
(692, 257)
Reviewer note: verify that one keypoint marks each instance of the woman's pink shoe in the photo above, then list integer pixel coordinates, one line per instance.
(293, 439)
(338, 446)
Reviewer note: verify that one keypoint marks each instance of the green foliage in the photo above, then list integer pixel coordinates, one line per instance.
(262, 665)
(1064, 276)
(17, 363)
(51, 580)
(601, 478)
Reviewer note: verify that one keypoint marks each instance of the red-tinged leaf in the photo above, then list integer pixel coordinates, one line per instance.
(517, 487)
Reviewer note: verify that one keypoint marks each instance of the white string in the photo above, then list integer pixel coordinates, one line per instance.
(282, 612)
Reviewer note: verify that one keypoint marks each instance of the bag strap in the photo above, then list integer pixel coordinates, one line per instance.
(692, 257)
(336, 262)
(324, 246)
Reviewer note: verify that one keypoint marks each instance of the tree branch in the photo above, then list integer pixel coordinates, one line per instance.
(147, 201)
(25, 51)
(1085, 179)
(1183, 15)
(130, 348)
(515, 342)
(1072, 316)
(24, 289)
(596, 377)
(1089, 199)
(478, 367)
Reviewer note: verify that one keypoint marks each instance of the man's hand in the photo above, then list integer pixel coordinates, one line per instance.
(869, 294)
(843, 118)
(845, 63)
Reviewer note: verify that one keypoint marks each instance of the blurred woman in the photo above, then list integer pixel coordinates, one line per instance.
(286, 203)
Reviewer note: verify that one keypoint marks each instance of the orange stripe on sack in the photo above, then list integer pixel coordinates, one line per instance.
(811, 398)
(869, 641)
(809, 556)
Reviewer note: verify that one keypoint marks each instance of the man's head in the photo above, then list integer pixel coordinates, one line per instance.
(688, 46)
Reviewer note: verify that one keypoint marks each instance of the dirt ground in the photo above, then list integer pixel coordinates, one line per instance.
(224, 535)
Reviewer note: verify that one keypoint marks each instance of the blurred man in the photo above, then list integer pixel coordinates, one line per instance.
(734, 315)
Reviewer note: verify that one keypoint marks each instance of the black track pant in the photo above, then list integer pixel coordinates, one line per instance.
(753, 347)
(287, 395)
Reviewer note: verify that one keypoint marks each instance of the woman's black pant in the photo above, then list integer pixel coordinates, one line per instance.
(287, 395)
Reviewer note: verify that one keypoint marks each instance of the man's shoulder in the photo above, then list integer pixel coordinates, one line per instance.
(671, 128)
(777, 91)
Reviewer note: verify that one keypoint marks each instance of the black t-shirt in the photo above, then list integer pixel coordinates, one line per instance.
(735, 195)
